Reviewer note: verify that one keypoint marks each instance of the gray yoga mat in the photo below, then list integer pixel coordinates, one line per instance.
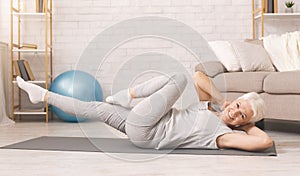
(117, 145)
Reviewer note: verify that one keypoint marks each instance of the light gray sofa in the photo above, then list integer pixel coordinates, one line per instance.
(280, 90)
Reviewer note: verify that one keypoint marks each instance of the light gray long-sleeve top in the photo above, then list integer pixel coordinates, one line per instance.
(194, 127)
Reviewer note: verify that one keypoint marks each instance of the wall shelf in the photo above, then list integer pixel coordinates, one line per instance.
(34, 82)
(30, 112)
(30, 50)
(16, 52)
(259, 13)
(29, 14)
(279, 16)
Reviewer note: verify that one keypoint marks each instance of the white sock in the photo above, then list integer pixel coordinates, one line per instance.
(122, 98)
(36, 93)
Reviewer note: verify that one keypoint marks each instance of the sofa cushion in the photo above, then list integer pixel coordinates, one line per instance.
(283, 106)
(252, 57)
(255, 42)
(211, 69)
(240, 81)
(283, 82)
(226, 54)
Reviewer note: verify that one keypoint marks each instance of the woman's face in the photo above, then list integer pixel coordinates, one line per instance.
(239, 112)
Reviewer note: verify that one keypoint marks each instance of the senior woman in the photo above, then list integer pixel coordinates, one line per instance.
(154, 123)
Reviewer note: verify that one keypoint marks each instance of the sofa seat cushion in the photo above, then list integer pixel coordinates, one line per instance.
(283, 107)
(283, 82)
(240, 81)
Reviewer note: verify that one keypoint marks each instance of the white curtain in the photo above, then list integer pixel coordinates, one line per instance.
(4, 85)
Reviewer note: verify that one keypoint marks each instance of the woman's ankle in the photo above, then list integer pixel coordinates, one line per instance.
(46, 97)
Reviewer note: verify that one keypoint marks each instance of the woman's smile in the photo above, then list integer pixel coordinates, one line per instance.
(237, 113)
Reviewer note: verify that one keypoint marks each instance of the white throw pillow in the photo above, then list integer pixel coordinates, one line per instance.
(226, 55)
(252, 57)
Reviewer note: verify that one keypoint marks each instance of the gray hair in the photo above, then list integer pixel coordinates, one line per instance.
(258, 105)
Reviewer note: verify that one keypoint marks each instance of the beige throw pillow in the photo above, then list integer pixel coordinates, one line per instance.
(252, 57)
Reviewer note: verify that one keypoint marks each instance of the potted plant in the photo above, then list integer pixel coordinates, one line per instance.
(289, 6)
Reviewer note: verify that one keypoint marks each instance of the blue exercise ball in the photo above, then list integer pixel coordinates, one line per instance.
(76, 84)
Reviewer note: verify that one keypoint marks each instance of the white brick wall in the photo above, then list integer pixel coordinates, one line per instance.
(77, 22)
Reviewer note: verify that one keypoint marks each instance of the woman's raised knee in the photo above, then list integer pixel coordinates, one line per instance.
(180, 79)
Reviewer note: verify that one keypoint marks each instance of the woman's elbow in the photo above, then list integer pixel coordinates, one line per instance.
(268, 143)
(261, 145)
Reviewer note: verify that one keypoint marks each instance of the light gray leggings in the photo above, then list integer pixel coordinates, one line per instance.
(144, 123)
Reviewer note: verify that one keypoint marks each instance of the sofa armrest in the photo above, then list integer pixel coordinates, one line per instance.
(211, 69)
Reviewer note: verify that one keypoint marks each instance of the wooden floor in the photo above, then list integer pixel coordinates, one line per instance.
(47, 163)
